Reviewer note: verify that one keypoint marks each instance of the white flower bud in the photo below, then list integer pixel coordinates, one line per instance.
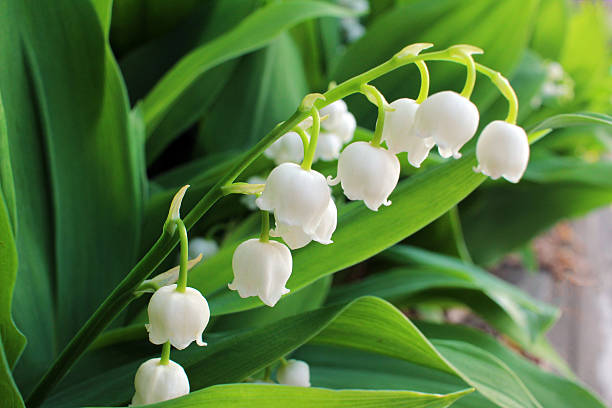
(204, 246)
(155, 382)
(177, 317)
(367, 173)
(502, 151)
(295, 372)
(287, 148)
(399, 135)
(296, 238)
(450, 119)
(297, 197)
(261, 269)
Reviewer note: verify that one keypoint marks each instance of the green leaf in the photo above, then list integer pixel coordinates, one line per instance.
(586, 56)
(341, 368)
(506, 308)
(550, 390)
(252, 33)
(73, 165)
(269, 84)
(138, 21)
(573, 119)
(239, 354)
(553, 188)
(550, 31)
(86, 128)
(144, 66)
(10, 394)
(13, 341)
(32, 300)
(270, 396)
(310, 298)
(495, 379)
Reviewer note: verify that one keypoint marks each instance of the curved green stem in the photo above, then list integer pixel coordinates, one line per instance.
(470, 80)
(455, 222)
(424, 91)
(165, 355)
(314, 137)
(181, 284)
(265, 226)
(380, 120)
(123, 293)
(303, 136)
(504, 88)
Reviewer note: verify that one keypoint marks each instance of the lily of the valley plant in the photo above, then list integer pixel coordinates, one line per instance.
(301, 201)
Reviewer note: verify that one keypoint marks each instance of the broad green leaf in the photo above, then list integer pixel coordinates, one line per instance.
(252, 33)
(495, 379)
(239, 354)
(310, 298)
(86, 128)
(6, 172)
(586, 56)
(427, 274)
(78, 218)
(277, 396)
(32, 300)
(269, 84)
(550, 390)
(574, 119)
(501, 218)
(13, 341)
(341, 368)
(138, 21)
(8, 389)
(550, 30)
(144, 66)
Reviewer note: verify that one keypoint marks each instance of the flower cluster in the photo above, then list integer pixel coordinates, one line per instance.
(300, 198)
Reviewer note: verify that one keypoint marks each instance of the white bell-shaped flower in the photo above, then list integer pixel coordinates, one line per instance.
(399, 134)
(335, 114)
(296, 238)
(367, 173)
(295, 372)
(344, 127)
(155, 382)
(205, 246)
(261, 269)
(450, 119)
(177, 317)
(328, 146)
(297, 197)
(287, 148)
(502, 151)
